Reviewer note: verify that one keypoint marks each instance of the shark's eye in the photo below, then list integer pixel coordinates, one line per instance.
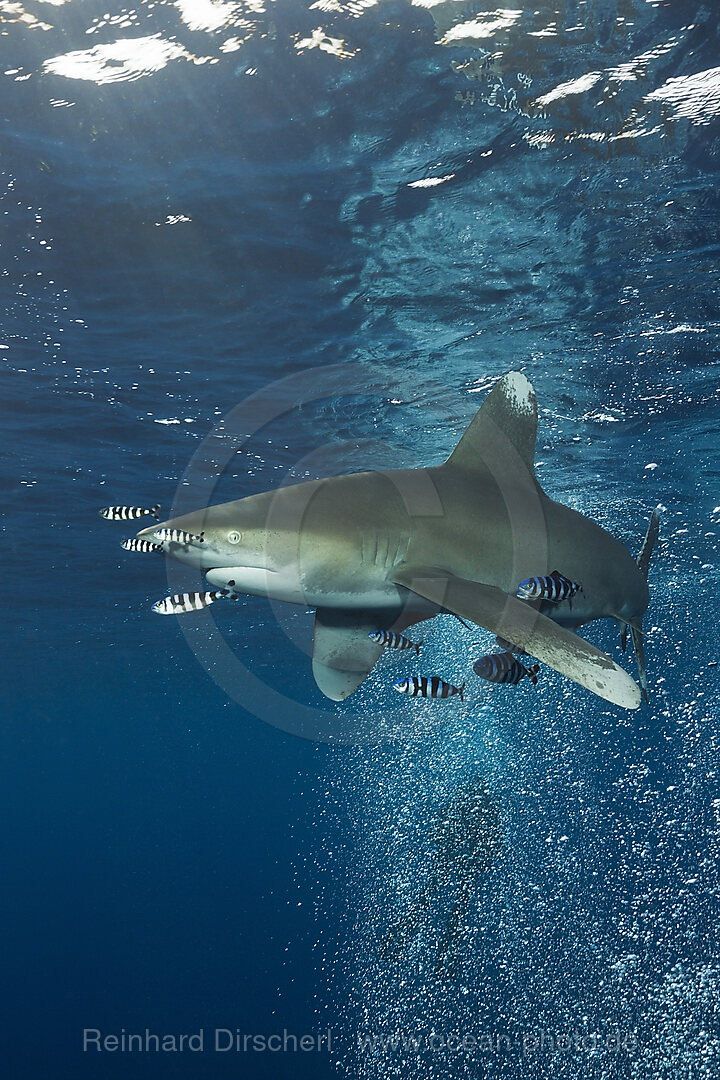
(233, 537)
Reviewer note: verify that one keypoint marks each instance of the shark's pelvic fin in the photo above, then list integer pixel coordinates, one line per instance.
(643, 562)
(343, 654)
(510, 618)
(507, 421)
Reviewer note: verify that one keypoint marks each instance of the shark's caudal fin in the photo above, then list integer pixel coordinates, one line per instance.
(504, 431)
(643, 561)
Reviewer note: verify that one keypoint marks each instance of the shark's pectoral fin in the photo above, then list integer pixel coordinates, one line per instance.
(343, 654)
(510, 618)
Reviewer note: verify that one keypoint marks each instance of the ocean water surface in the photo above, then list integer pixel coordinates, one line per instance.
(247, 243)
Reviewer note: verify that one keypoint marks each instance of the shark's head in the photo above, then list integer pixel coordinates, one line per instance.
(241, 544)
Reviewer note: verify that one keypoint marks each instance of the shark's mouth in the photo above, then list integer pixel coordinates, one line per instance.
(257, 580)
(237, 569)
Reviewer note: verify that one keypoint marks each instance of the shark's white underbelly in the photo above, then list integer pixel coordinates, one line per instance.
(357, 591)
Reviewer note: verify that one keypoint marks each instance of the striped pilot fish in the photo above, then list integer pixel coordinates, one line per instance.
(432, 687)
(391, 640)
(504, 667)
(190, 601)
(552, 587)
(178, 536)
(128, 513)
(140, 545)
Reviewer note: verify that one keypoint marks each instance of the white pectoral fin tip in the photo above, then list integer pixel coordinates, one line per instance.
(585, 665)
(580, 661)
(615, 685)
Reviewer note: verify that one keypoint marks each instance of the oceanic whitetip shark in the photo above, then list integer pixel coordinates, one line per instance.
(383, 550)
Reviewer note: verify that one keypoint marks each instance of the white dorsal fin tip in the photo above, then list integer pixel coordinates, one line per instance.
(519, 392)
(502, 431)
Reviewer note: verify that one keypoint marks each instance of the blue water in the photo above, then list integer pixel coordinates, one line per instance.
(202, 202)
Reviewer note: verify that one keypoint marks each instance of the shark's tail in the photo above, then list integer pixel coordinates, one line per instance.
(636, 633)
(643, 559)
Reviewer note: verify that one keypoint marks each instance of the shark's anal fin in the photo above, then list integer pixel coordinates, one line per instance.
(515, 621)
(343, 654)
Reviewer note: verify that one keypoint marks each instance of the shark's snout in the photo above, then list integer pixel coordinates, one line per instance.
(183, 538)
(194, 524)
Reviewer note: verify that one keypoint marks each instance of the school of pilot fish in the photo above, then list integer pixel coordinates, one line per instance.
(501, 666)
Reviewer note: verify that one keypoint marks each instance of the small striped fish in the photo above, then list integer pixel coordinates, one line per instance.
(128, 513)
(178, 536)
(140, 545)
(552, 587)
(504, 667)
(432, 687)
(190, 601)
(391, 640)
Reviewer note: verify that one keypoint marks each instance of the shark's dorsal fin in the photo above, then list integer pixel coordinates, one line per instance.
(504, 427)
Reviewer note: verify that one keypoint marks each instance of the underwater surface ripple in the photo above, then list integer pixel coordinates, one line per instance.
(200, 200)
